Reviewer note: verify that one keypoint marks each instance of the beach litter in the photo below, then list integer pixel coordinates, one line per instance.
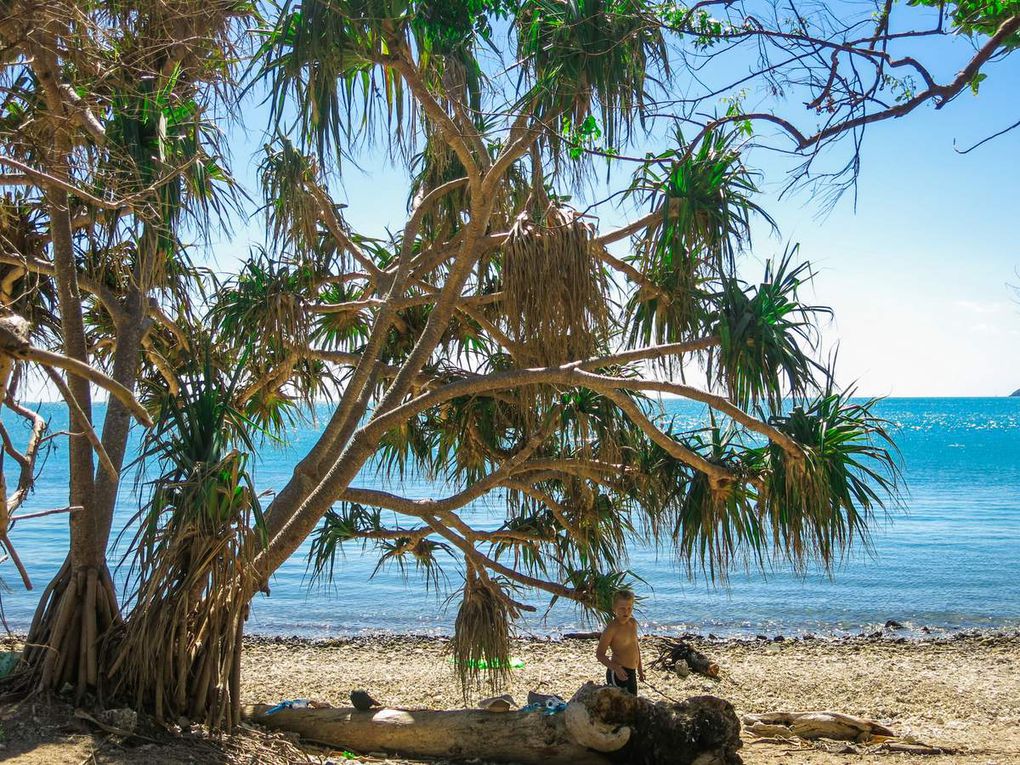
(8, 661)
(297, 704)
(362, 701)
(513, 663)
(502, 703)
(546, 704)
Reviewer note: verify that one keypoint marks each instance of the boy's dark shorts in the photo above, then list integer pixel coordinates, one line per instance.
(629, 685)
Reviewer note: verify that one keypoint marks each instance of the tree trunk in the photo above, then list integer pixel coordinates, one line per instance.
(80, 603)
(77, 607)
(601, 725)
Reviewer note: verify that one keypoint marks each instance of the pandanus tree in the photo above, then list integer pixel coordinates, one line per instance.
(111, 155)
(502, 339)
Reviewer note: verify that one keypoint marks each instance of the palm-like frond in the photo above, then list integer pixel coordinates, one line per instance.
(766, 336)
(340, 329)
(324, 55)
(597, 588)
(193, 554)
(287, 176)
(704, 200)
(591, 56)
(30, 295)
(820, 504)
(264, 302)
(716, 526)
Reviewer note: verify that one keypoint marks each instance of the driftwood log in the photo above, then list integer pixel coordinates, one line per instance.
(601, 725)
(812, 725)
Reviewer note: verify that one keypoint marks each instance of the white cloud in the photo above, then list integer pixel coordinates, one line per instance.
(991, 307)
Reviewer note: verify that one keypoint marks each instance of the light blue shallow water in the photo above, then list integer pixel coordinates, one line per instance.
(950, 562)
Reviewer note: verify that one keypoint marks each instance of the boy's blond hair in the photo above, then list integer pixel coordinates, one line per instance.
(622, 595)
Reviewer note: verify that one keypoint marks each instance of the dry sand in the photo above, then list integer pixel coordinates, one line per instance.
(962, 694)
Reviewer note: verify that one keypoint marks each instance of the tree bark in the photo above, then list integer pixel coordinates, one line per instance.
(463, 734)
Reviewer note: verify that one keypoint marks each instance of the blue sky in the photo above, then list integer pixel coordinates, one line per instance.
(921, 273)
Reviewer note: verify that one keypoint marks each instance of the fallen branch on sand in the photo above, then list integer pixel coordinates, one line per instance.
(867, 736)
(678, 656)
(812, 725)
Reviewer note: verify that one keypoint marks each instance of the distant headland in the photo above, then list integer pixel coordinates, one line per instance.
(1015, 394)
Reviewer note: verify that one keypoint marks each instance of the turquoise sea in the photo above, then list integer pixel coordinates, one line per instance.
(949, 561)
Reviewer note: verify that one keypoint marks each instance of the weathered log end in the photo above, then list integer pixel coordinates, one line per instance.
(703, 730)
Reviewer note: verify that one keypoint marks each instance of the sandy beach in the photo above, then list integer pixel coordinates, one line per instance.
(961, 694)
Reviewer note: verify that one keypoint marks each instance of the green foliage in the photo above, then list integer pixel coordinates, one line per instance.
(820, 504)
(979, 17)
(328, 56)
(715, 525)
(704, 196)
(707, 30)
(203, 488)
(597, 590)
(32, 296)
(353, 522)
(293, 211)
(264, 302)
(591, 57)
(764, 332)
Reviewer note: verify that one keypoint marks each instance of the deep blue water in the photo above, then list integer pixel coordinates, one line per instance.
(949, 561)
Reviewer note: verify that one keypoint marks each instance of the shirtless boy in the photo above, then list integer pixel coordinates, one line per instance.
(620, 638)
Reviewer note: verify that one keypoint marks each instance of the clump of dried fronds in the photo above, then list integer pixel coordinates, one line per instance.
(481, 637)
(555, 299)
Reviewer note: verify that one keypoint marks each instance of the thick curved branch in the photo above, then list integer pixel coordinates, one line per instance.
(460, 499)
(442, 121)
(673, 448)
(622, 233)
(26, 460)
(652, 352)
(573, 375)
(558, 511)
(479, 558)
(48, 359)
(941, 94)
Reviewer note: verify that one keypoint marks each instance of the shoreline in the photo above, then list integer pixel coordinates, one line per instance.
(886, 635)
